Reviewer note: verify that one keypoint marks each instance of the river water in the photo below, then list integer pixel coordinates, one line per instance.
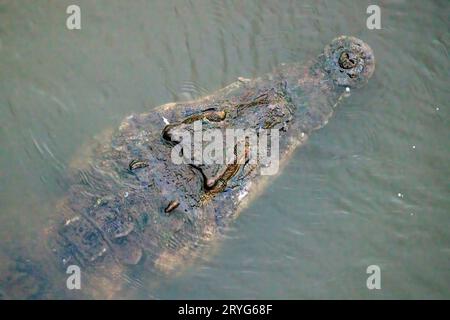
(371, 188)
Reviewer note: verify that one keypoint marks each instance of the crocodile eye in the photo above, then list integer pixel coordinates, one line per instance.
(173, 135)
(137, 164)
(171, 206)
(215, 116)
(349, 61)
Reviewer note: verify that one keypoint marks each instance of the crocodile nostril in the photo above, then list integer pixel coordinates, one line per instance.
(345, 61)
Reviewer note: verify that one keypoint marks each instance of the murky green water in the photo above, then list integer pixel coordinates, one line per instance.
(372, 187)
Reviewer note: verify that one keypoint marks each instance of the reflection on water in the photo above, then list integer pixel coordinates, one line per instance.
(370, 188)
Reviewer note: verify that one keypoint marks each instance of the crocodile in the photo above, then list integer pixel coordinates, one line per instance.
(129, 205)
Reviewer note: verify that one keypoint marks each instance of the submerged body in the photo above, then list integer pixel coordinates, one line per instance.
(132, 205)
